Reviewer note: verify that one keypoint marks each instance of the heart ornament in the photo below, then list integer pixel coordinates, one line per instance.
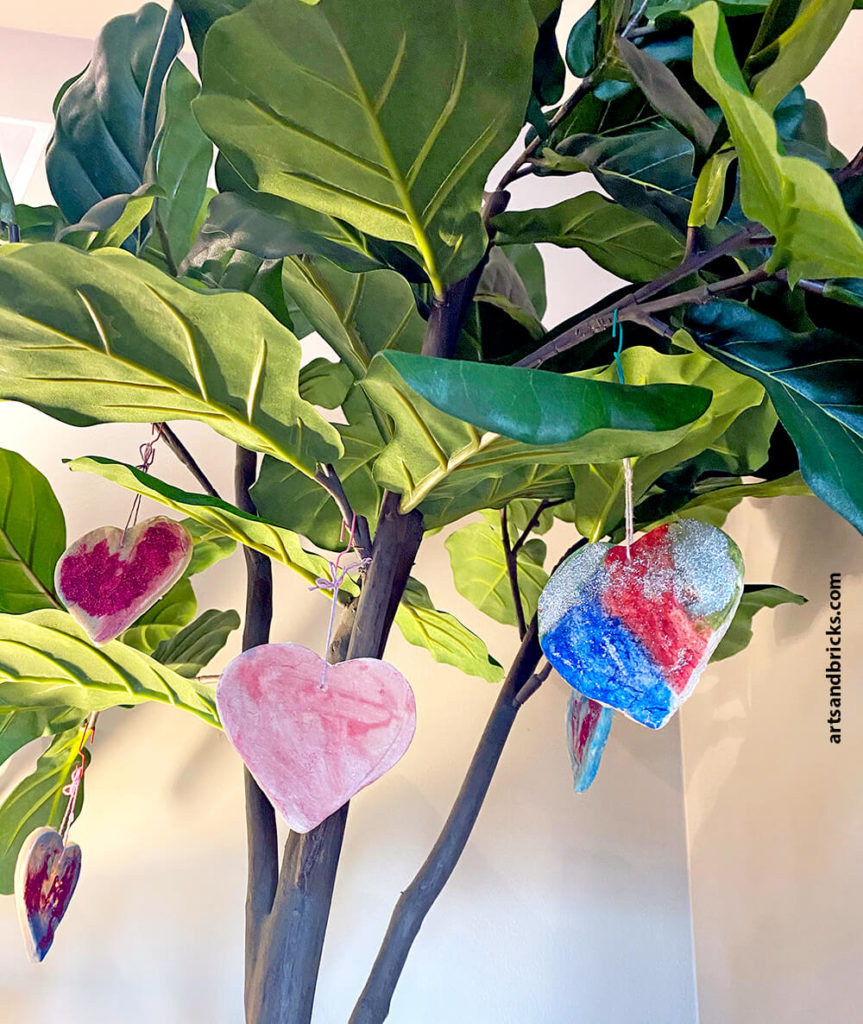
(312, 747)
(588, 724)
(46, 874)
(636, 634)
(109, 577)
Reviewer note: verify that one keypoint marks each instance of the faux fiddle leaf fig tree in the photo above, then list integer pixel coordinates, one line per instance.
(355, 143)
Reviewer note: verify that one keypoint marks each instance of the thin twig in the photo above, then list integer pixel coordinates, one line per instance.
(534, 519)
(328, 478)
(187, 459)
(512, 573)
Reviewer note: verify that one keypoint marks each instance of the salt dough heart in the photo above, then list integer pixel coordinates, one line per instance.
(110, 577)
(46, 874)
(312, 749)
(636, 635)
(588, 724)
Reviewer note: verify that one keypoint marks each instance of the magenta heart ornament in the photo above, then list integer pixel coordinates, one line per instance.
(312, 748)
(46, 874)
(109, 577)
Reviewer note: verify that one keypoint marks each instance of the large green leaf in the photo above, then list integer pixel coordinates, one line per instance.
(356, 314)
(784, 61)
(106, 117)
(526, 404)
(599, 488)
(46, 660)
(200, 15)
(793, 197)
(432, 449)
(32, 536)
(112, 221)
(272, 227)
(619, 240)
(480, 572)
(443, 636)
(755, 597)
(213, 513)
(357, 109)
(178, 162)
(714, 505)
(194, 646)
(815, 381)
(163, 620)
(38, 800)
(91, 337)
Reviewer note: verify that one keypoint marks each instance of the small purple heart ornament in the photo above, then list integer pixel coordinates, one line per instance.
(109, 577)
(46, 874)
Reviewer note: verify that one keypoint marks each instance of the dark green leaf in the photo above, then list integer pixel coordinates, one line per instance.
(32, 536)
(105, 337)
(528, 262)
(815, 381)
(525, 404)
(480, 573)
(106, 117)
(549, 73)
(200, 15)
(443, 636)
(755, 597)
(500, 285)
(582, 42)
(620, 241)
(194, 647)
(319, 104)
(666, 95)
(713, 506)
(796, 200)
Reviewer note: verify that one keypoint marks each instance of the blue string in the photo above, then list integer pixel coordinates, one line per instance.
(617, 332)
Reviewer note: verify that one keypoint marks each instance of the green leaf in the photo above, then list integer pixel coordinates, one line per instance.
(443, 636)
(755, 597)
(213, 513)
(178, 163)
(620, 241)
(709, 195)
(200, 15)
(39, 223)
(480, 573)
(324, 383)
(210, 546)
(271, 227)
(714, 506)
(90, 337)
(848, 290)
(815, 381)
(46, 660)
(435, 455)
(319, 105)
(666, 95)
(106, 117)
(796, 200)
(18, 728)
(500, 285)
(599, 488)
(528, 262)
(582, 42)
(789, 58)
(163, 620)
(356, 314)
(526, 404)
(112, 221)
(195, 646)
(32, 536)
(38, 800)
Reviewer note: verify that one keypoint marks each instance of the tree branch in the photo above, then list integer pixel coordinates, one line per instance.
(328, 478)
(185, 456)
(512, 572)
(534, 519)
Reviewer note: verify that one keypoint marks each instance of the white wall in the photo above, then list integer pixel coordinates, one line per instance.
(563, 908)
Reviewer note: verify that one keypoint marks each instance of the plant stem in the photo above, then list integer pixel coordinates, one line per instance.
(416, 901)
(328, 478)
(512, 572)
(286, 961)
(188, 460)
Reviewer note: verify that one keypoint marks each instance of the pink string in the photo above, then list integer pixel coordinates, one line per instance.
(338, 575)
(71, 790)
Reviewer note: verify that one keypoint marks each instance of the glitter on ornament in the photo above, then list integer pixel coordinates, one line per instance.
(637, 634)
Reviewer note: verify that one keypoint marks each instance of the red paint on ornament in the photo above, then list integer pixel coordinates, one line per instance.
(46, 874)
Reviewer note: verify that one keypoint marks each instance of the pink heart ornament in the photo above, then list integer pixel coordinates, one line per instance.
(46, 874)
(109, 577)
(311, 748)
